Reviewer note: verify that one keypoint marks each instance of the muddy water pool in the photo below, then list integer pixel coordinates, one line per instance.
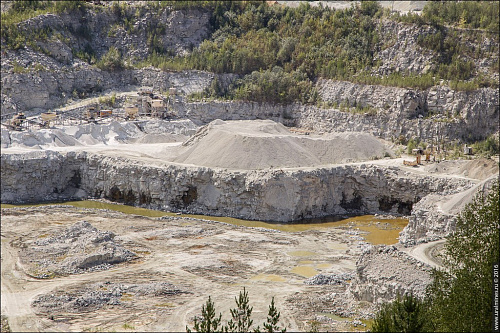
(375, 229)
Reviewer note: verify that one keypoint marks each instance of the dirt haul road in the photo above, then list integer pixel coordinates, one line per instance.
(198, 258)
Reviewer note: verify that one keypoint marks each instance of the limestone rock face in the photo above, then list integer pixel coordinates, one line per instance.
(399, 50)
(434, 113)
(56, 76)
(270, 195)
(434, 217)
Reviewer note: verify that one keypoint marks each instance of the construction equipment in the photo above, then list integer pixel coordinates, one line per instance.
(414, 163)
(46, 118)
(105, 113)
(467, 150)
(131, 112)
(158, 109)
(91, 114)
(16, 122)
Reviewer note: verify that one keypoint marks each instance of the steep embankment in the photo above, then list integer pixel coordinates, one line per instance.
(275, 195)
(434, 217)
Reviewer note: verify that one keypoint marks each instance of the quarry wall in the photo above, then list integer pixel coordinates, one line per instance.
(269, 195)
(436, 114)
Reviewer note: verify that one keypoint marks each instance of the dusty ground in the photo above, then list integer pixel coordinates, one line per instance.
(189, 259)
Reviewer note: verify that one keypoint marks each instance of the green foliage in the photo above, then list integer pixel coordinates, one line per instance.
(165, 62)
(69, 6)
(461, 296)
(109, 101)
(466, 14)
(87, 54)
(128, 326)
(280, 50)
(208, 322)
(405, 314)
(273, 317)
(20, 11)
(371, 8)
(276, 86)
(17, 68)
(412, 144)
(488, 147)
(458, 69)
(111, 61)
(240, 316)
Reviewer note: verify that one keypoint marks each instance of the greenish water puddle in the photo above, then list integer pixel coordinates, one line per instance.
(301, 253)
(378, 231)
(305, 271)
(100, 205)
(268, 278)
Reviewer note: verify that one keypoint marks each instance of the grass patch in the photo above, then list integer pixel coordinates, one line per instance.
(127, 326)
(5, 324)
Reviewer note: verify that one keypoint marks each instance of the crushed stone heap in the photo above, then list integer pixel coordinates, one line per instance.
(98, 295)
(261, 144)
(383, 272)
(79, 248)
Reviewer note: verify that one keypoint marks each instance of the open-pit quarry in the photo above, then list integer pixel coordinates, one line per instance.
(319, 221)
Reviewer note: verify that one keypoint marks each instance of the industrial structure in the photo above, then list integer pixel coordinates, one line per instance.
(145, 104)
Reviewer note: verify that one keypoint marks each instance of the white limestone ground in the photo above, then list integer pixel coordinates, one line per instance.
(79, 248)
(181, 262)
(108, 134)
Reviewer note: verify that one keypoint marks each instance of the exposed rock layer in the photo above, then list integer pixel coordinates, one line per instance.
(274, 194)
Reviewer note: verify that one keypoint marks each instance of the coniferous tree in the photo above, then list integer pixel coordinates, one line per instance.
(240, 321)
(461, 294)
(405, 314)
(209, 322)
(273, 317)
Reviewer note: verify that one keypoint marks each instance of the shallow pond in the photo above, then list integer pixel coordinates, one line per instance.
(374, 229)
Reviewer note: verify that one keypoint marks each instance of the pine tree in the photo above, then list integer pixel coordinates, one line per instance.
(240, 321)
(461, 295)
(209, 322)
(273, 317)
(406, 314)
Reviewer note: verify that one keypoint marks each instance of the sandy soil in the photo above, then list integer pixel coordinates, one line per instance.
(198, 258)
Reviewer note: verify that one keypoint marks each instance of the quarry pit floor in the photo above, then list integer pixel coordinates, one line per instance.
(200, 258)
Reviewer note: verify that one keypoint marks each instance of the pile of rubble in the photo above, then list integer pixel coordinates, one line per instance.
(78, 249)
(330, 279)
(98, 295)
(383, 272)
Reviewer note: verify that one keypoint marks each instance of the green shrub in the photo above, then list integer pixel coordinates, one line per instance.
(460, 296)
(412, 144)
(18, 69)
(276, 86)
(111, 61)
(488, 147)
(405, 314)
